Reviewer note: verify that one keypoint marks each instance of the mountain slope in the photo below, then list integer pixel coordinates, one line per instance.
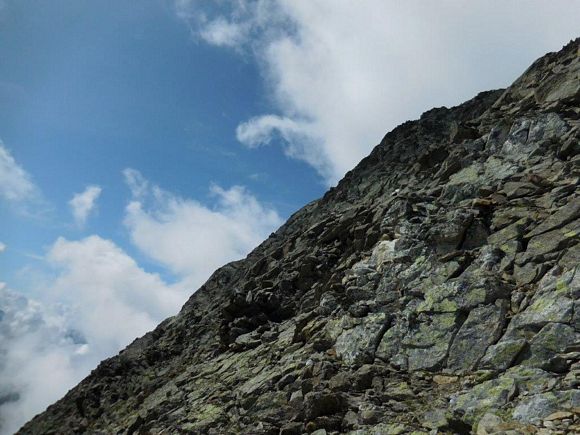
(436, 287)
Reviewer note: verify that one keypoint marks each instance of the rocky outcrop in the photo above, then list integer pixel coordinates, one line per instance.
(436, 289)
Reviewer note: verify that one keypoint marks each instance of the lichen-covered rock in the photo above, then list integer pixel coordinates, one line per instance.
(482, 328)
(489, 395)
(502, 355)
(435, 288)
(539, 406)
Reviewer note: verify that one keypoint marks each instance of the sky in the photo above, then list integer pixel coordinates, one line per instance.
(144, 144)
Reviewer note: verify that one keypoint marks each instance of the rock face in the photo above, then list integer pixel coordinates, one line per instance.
(435, 289)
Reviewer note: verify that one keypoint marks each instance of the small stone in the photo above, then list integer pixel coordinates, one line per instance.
(321, 403)
(435, 419)
(445, 380)
(292, 428)
(488, 424)
(559, 415)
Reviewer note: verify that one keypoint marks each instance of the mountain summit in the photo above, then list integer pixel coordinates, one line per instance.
(436, 289)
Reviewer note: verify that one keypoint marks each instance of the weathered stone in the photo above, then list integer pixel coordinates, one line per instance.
(292, 428)
(571, 258)
(428, 343)
(502, 355)
(552, 240)
(317, 404)
(529, 272)
(516, 189)
(530, 380)
(561, 217)
(508, 233)
(489, 395)
(535, 408)
(546, 308)
(552, 339)
(482, 327)
(340, 382)
(488, 424)
(570, 148)
(435, 419)
(356, 344)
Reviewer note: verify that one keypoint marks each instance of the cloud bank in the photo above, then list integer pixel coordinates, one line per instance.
(342, 74)
(97, 301)
(96, 298)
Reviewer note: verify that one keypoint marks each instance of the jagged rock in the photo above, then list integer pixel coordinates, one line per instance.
(489, 395)
(436, 287)
(502, 355)
(322, 403)
(355, 345)
(551, 340)
(540, 406)
(561, 217)
(482, 328)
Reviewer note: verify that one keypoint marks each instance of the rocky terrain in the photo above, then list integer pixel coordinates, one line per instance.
(436, 289)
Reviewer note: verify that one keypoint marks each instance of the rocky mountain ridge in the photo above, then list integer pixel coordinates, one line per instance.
(436, 289)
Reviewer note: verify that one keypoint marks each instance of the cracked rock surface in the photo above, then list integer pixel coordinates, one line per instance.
(436, 289)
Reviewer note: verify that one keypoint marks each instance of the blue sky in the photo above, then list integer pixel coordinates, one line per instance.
(88, 89)
(144, 144)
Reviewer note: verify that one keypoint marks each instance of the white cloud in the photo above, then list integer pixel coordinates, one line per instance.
(82, 204)
(112, 299)
(2, 247)
(259, 130)
(36, 359)
(138, 185)
(192, 239)
(223, 33)
(16, 185)
(98, 301)
(299, 138)
(356, 71)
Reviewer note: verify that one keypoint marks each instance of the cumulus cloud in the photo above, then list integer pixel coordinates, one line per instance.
(2, 247)
(96, 298)
(190, 238)
(16, 185)
(97, 302)
(82, 204)
(355, 72)
(112, 299)
(34, 342)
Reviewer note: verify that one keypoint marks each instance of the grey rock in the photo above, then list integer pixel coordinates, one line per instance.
(552, 340)
(539, 406)
(482, 328)
(561, 217)
(502, 355)
(489, 395)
